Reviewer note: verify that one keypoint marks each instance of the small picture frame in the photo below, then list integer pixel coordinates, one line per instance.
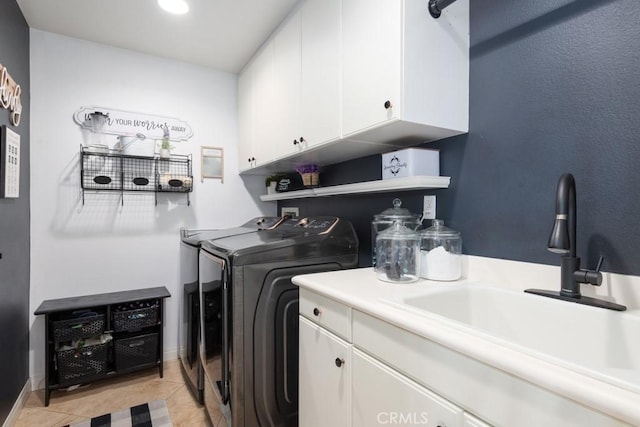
(9, 163)
(212, 163)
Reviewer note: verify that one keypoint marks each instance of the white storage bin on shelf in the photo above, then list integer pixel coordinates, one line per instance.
(410, 162)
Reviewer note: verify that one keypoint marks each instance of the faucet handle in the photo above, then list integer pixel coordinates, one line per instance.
(599, 264)
(592, 277)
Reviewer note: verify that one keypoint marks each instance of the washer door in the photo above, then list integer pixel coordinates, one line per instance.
(189, 328)
(213, 331)
(275, 343)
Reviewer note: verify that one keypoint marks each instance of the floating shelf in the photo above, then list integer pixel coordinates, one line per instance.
(408, 183)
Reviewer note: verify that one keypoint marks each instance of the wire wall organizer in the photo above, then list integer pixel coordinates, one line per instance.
(109, 170)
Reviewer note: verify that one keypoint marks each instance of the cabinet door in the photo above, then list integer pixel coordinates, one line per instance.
(286, 92)
(320, 95)
(263, 111)
(371, 60)
(245, 118)
(381, 395)
(324, 387)
(471, 421)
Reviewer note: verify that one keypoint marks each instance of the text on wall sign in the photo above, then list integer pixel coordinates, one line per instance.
(10, 95)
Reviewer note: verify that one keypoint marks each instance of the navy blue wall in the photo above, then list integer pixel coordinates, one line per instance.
(14, 222)
(554, 88)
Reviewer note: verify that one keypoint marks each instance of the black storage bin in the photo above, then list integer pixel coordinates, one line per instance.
(78, 328)
(134, 319)
(136, 351)
(77, 364)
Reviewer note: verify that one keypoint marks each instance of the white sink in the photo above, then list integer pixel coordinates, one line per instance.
(599, 342)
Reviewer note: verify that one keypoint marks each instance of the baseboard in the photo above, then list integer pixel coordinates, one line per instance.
(12, 418)
(170, 354)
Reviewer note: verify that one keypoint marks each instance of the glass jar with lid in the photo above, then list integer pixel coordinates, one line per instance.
(440, 252)
(398, 252)
(386, 218)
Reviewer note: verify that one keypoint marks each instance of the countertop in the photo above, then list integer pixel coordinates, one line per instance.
(361, 290)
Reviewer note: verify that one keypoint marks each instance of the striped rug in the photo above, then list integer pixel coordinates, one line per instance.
(151, 414)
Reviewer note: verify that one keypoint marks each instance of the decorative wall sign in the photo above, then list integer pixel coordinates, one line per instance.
(127, 123)
(10, 95)
(212, 165)
(9, 163)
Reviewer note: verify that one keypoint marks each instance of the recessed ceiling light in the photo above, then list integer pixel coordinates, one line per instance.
(178, 7)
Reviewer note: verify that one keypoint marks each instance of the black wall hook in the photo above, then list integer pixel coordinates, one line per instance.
(437, 6)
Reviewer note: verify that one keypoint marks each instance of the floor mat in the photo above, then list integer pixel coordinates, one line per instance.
(151, 414)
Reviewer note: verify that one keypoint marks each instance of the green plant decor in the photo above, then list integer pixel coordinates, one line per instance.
(166, 142)
(273, 178)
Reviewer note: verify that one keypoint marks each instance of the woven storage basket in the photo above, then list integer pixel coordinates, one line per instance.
(77, 364)
(78, 328)
(136, 351)
(131, 320)
(310, 179)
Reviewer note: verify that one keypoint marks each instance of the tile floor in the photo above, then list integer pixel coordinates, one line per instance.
(115, 394)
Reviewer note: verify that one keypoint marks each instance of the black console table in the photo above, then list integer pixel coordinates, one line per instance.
(98, 336)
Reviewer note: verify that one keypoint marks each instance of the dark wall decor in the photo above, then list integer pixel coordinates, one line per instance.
(554, 88)
(14, 221)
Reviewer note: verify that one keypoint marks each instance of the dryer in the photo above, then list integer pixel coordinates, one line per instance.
(189, 328)
(250, 359)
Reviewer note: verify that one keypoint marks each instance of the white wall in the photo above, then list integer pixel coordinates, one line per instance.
(103, 246)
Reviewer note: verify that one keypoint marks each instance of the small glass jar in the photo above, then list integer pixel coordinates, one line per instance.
(398, 252)
(386, 218)
(440, 252)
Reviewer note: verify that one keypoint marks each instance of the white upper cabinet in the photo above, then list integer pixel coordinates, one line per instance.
(245, 119)
(307, 77)
(320, 97)
(263, 111)
(371, 48)
(287, 80)
(339, 75)
(405, 74)
(255, 113)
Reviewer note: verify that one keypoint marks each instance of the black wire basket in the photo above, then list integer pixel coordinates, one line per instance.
(136, 351)
(135, 319)
(78, 328)
(77, 364)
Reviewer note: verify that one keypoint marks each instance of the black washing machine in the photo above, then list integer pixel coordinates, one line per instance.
(251, 374)
(189, 328)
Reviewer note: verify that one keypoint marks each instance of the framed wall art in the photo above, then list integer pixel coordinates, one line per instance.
(212, 163)
(9, 163)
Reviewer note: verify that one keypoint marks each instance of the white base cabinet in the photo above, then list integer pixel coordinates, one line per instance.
(359, 370)
(471, 421)
(324, 398)
(496, 396)
(382, 396)
(340, 385)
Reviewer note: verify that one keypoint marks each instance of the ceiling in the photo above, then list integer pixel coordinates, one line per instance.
(219, 34)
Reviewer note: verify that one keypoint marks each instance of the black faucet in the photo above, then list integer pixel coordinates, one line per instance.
(563, 241)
